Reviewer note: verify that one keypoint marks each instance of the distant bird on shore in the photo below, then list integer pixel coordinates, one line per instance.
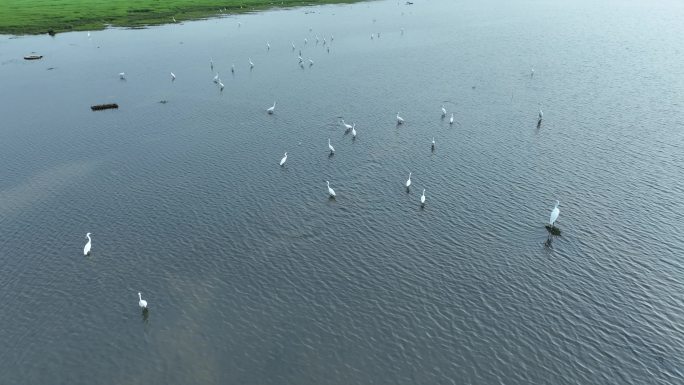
(282, 161)
(400, 120)
(271, 109)
(86, 248)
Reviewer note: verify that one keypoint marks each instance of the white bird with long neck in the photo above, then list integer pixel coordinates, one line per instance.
(86, 248)
(311, 62)
(220, 86)
(400, 120)
(554, 214)
(216, 78)
(443, 111)
(408, 182)
(422, 198)
(451, 120)
(268, 46)
(232, 68)
(532, 74)
(282, 161)
(433, 143)
(122, 75)
(293, 46)
(173, 76)
(141, 302)
(347, 127)
(251, 64)
(271, 109)
(541, 114)
(354, 131)
(330, 147)
(331, 192)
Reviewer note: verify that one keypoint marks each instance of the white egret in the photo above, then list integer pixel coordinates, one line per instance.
(451, 120)
(300, 59)
(88, 35)
(554, 214)
(354, 131)
(371, 36)
(408, 182)
(122, 75)
(268, 46)
(220, 85)
(532, 74)
(173, 76)
(282, 161)
(422, 198)
(271, 109)
(331, 192)
(251, 65)
(293, 46)
(310, 62)
(433, 143)
(443, 111)
(141, 302)
(216, 78)
(347, 127)
(305, 41)
(174, 19)
(400, 120)
(541, 114)
(86, 248)
(232, 68)
(332, 149)
(332, 37)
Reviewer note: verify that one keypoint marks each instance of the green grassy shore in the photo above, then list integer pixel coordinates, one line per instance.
(22, 17)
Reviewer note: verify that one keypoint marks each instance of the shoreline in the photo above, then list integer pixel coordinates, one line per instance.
(32, 17)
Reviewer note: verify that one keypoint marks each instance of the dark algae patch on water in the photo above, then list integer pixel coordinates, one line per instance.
(22, 17)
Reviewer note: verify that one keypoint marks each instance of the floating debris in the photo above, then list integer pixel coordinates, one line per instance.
(99, 107)
(33, 57)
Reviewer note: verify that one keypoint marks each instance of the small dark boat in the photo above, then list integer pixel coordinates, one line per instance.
(33, 57)
(99, 107)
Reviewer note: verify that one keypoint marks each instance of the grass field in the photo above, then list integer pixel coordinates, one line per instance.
(19, 17)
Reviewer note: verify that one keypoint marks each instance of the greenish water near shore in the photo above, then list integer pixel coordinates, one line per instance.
(23, 17)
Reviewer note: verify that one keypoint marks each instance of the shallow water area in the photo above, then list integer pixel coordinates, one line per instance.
(253, 275)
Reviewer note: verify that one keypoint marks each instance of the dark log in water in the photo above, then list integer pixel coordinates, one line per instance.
(104, 106)
(33, 57)
(553, 230)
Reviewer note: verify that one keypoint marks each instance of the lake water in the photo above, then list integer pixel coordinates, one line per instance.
(254, 276)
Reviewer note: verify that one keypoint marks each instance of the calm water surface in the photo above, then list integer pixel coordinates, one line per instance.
(254, 277)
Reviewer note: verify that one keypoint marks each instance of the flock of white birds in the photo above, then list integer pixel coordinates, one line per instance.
(348, 128)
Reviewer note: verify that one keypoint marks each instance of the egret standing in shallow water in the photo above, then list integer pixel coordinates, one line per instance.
(408, 182)
(400, 120)
(251, 65)
(347, 127)
(433, 143)
(232, 68)
(220, 86)
(354, 131)
(122, 75)
(532, 74)
(451, 120)
(330, 147)
(216, 78)
(422, 199)
(541, 115)
(141, 302)
(173, 76)
(86, 248)
(443, 111)
(271, 109)
(282, 161)
(554, 214)
(331, 192)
